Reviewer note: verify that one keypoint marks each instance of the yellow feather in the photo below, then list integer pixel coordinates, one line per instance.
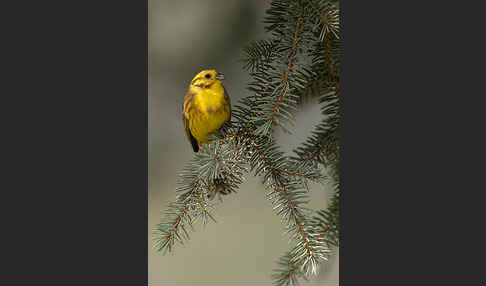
(206, 106)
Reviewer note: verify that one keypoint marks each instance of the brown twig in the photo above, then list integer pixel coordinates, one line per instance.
(276, 172)
(292, 270)
(184, 210)
(203, 208)
(178, 220)
(289, 66)
(328, 227)
(321, 15)
(327, 44)
(296, 173)
(322, 144)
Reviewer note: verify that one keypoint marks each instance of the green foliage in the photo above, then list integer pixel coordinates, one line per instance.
(287, 272)
(299, 60)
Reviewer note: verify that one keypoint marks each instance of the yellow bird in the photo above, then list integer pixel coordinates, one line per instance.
(206, 107)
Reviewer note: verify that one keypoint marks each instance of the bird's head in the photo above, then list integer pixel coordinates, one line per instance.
(206, 78)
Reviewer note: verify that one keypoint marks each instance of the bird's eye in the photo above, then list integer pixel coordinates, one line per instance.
(207, 76)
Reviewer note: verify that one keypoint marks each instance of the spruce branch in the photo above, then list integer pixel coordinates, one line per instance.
(289, 196)
(287, 272)
(213, 169)
(181, 213)
(327, 220)
(329, 18)
(324, 225)
(322, 146)
(259, 54)
(289, 66)
(274, 84)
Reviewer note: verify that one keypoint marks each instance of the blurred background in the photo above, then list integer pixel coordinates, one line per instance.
(186, 36)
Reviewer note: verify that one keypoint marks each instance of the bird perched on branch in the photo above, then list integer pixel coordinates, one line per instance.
(206, 107)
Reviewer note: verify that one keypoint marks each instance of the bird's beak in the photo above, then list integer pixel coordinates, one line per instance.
(220, 76)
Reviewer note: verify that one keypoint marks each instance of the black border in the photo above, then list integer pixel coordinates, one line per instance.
(75, 103)
(398, 72)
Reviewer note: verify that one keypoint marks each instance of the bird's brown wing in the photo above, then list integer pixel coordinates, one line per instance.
(185, 118)
(227, 103)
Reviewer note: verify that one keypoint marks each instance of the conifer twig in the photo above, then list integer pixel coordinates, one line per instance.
(289, 66)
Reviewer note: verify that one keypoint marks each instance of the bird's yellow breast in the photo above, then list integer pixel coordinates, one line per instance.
(211, 111)
(209, 99)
